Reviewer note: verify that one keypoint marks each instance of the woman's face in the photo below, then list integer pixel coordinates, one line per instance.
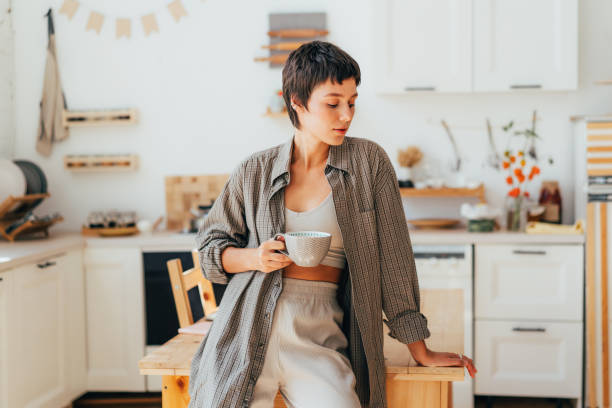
(330, 111)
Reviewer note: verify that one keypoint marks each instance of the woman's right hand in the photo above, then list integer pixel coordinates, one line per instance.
(268, 260)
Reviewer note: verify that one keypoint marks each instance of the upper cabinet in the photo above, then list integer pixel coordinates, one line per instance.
(525, 44)
(423, 45)
(475, 45)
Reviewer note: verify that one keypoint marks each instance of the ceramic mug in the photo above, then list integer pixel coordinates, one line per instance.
(306, 248)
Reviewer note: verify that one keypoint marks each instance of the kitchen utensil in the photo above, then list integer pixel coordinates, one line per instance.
(433, 223)
(298, 33)
(306, 248)
(109, 232)
(284, 46)
(12, 180)
(36, 183)
(275, 59)
(481, 225)
(457, 165)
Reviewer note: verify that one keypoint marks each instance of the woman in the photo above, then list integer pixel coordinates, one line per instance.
(312, 333)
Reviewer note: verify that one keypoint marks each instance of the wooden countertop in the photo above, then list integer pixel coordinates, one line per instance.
(174, 358)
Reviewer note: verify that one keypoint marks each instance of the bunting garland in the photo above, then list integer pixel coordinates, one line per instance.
(123, 25)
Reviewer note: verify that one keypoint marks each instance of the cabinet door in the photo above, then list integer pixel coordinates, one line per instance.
(37, 335)
(537, 282)
(525, 44)
(540, 359)
(74, 310)
(115, 319)
(5, 294)
(422, 45)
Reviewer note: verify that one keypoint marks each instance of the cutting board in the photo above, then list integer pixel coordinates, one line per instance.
(186, 192)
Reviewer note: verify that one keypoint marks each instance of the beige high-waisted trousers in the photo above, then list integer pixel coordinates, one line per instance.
(306, 355)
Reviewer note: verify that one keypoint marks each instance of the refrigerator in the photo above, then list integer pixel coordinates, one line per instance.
(593, 203)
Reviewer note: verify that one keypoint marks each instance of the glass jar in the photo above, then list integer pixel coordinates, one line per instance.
(516, 213)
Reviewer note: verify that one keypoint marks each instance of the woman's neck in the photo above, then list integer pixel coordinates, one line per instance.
(308, 151)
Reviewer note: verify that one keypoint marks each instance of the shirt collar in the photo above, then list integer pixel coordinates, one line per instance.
(338, 158)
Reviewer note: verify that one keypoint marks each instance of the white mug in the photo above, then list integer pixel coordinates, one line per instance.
(306, 248)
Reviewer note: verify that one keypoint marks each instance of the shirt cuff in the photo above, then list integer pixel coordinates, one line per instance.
(211, 264)
(408, 327)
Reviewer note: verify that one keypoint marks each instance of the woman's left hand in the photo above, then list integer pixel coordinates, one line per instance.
(444, 359)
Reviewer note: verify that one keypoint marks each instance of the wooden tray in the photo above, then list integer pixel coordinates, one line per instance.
(434, 223)
(109, 232)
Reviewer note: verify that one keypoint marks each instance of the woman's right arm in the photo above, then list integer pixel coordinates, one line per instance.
(222, 239)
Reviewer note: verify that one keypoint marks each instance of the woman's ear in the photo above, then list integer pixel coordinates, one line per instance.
(295, 105)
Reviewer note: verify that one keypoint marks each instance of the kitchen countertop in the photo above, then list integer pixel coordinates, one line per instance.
(26, 251)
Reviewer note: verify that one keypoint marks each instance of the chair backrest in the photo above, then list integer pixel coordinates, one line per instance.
(182, 282)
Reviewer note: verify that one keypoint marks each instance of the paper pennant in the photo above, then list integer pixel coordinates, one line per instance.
(69, 8)
(149, 24)
(124, 27)
(95, 22)
(177, 10)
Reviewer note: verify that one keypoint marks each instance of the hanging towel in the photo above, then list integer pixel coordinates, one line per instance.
(53, 101)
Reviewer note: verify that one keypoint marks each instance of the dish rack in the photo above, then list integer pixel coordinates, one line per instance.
(14, 208)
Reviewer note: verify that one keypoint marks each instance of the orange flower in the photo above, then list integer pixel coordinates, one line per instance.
(520, 153)
(505, 164)
(521, 178)
(518, 172)
(512, 159)
(515, 192)
(509, 180)
(526, 194)
(523, 162)
(536, 169)
(530, 176)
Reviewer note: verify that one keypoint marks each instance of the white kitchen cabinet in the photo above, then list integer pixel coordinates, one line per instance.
(475, 45)
(529, 282)
(525, 44)
(527, 358)
(115, 318)
(422, 46)
(6, 278)
(45, 336)
(529, 320)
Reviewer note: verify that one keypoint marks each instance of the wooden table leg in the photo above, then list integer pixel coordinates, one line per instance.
(175, 391)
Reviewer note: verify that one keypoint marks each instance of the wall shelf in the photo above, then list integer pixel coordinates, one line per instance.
(478, 192)
(99, 117)
(101, 162)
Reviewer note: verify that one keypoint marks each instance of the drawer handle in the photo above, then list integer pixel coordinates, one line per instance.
(529, 329)
(526, 86)
(45, 265)
(526, 252)
(419, 88)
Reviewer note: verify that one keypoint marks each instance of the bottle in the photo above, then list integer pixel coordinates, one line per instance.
(550, 198)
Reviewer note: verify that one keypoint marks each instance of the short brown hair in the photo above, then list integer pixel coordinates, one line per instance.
(312, 64)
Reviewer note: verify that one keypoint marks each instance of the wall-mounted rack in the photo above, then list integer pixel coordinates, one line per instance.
(101, 162)
(99, 117)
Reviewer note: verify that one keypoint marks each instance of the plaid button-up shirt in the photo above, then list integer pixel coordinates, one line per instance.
(380, 274)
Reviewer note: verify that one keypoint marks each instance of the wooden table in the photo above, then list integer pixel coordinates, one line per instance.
(407, 384)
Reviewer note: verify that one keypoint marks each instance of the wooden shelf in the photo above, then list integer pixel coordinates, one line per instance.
(99, 118)
(271, 114)
(101, 162)
(478, 192)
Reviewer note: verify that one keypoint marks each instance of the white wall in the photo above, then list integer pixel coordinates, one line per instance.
(201, 96)
(7, 81)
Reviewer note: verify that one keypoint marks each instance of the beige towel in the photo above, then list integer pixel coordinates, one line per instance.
(545, 228)
(53, 102)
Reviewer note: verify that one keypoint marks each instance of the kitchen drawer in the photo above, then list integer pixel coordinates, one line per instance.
(540, 282)
(539, 359)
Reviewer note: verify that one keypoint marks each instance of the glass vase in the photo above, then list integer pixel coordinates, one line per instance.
(516, 213)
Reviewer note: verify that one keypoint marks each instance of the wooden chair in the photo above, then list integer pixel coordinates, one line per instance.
(182, 282)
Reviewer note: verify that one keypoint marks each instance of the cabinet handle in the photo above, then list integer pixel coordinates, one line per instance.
(419, 88)
(46, 264)
(529, 329)
(527, 252)
(526, 86)
(1, 279)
